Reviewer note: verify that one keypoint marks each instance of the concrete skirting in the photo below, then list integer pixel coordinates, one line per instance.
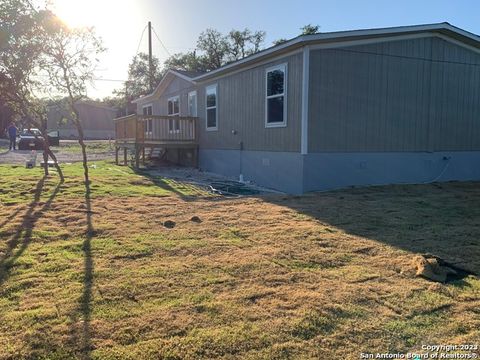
(325, 171)
(295, 173)
(276, 170)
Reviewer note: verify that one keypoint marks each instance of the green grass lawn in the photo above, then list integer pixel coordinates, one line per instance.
(19, 185)
(3, 146)
(97, 274)
(92, 147)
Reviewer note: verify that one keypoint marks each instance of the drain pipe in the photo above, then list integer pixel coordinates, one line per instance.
(240, 177)
(240, 149)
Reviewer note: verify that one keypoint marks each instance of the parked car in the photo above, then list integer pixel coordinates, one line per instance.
(32, 139)
(54, 138)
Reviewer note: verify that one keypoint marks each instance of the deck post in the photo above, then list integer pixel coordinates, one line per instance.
(137, 155)
(134, 133)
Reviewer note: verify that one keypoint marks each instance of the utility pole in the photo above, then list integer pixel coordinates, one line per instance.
(150, 62)
(126, 98)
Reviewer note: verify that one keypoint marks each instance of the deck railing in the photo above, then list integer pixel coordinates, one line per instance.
(156, 129)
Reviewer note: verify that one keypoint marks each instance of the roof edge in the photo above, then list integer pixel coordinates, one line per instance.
(157, 88)
(302, 40)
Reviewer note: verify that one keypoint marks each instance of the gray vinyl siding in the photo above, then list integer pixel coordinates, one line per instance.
(241, 107)
(178, 87)
(391, 97)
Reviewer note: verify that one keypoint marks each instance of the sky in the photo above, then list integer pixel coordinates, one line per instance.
(178, 23)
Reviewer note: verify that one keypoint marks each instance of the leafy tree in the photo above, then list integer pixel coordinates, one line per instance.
(218, 49)
(215, 47)
(186, 61)
(244, 43)
(70, 59)
(213, 50)
(138, 83)
(6, 115)
(119, 102)
(21, 60)
(309, 29)
(279, 41)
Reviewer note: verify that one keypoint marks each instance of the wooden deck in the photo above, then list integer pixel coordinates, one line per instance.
(140, 132)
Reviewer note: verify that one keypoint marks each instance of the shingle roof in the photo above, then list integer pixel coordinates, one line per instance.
(444, 29)
(190, 74)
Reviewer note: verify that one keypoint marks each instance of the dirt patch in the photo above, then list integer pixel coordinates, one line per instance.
(433, 268)
(214, 183)
(64, 153)
(169, 224)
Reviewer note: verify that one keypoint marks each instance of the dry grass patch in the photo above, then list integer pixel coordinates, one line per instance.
(317, 276)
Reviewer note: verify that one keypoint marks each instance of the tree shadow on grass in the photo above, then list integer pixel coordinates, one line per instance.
(88, 276)
(19, 241)
(439, 219)
(82, 335)
(10, 217)
(194, 192)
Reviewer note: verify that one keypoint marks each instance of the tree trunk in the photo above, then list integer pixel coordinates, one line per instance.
(55, 162)
(46, 144)
(48, 152)
(45, 161)
(84, 152)
(81, 141)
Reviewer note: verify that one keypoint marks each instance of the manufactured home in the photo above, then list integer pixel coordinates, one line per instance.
(324, 111)
(96, 120)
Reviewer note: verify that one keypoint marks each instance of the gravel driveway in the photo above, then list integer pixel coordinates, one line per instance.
(68, 151)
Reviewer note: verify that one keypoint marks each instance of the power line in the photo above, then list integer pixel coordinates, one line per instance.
(136, 53)
(181, 47)
(161, 42)
(102, 79)
(141, 38)
(94, 79)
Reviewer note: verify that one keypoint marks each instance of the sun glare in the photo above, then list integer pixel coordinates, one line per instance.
(80, 13)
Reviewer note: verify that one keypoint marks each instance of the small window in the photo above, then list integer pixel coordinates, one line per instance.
(211, 106)
(275, 105)
(192, 103)
(174, 110)
(147, 110)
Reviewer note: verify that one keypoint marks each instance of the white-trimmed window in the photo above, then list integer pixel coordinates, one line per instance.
(148, 110)
(211, 115)
(192, 103)
(275, 97)
(173, 110)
